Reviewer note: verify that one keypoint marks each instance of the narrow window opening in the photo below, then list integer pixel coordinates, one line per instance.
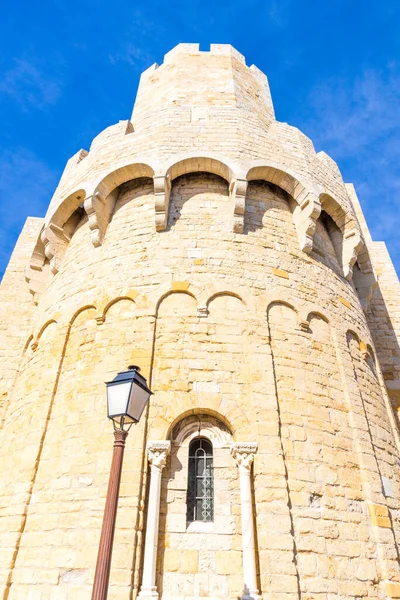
(200, 491)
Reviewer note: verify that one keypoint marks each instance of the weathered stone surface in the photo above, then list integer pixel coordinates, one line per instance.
(226, 276)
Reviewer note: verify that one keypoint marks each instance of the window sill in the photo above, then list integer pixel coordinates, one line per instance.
(200, 527)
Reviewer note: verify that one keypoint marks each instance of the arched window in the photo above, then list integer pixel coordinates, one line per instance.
(200, 491)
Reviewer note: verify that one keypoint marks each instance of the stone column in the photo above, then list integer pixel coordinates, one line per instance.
(243, 453)
(157, 453)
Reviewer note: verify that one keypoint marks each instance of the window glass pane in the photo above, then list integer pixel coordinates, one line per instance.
(200, 492)
(200, 466)
(190, 512)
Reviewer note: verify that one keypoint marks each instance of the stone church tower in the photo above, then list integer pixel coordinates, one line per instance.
(212, 246)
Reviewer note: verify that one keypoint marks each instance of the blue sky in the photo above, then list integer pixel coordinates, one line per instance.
(70, 69)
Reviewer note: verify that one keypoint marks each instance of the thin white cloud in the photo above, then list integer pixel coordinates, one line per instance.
(132, 54)
(278, 12)
(26, 186)
(137, 42)
(358, 124)
(352, 115)
(26, 84)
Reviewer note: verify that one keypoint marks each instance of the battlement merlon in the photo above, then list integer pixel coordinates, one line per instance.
(219, 78)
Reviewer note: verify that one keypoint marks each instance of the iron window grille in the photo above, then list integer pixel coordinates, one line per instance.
(200, 492)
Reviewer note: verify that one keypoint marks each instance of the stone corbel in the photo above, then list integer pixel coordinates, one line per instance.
(34, 273)
(55, 242)
(352, 245)
(162, 190)
(304, 326)
(202, 311)
(98, 210)
(365, 353)
(36, 280)
(38, 258)
(305, 217)
(238, 194)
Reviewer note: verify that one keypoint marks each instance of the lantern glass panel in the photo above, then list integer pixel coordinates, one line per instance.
(137, 402)
(118, 397)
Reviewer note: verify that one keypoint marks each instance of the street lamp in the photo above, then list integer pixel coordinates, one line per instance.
(127, 396)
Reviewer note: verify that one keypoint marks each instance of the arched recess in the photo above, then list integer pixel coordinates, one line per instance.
(97, 200)
(191, 367)
(106, 302)
(328, 243)
(42, 333)
(346, 239)
(208, 424)
(174, 343)
(211, 290)
(225, 296)
(195, 539)
(53, 241)
(306, 207)
(201, 201)
(176, 302)
(193, 163)
(126, 335)
(317, 313)
(269, 215)
(314, 423)
(100, 202)
(284, 303)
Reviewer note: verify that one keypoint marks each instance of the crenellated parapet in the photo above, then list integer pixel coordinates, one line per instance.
(97, 199)
(184, 125)
(216, 110)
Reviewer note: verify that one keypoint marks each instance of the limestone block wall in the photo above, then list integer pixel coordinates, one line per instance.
(383, 307)
(17, 308)
(239, 327)
(208, 244)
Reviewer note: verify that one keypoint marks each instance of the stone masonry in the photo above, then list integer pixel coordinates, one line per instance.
(211, 245)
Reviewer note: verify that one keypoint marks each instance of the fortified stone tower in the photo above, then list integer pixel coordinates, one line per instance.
(211, 245)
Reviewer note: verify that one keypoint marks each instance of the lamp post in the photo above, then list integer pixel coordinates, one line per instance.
(127, 396)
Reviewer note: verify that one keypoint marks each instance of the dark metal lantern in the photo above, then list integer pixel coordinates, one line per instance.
(127, 396)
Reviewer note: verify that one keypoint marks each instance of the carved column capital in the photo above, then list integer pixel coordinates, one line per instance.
(157, 453)
(243, 453)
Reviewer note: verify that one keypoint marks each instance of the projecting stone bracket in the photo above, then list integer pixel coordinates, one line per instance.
(34, 273)
(202, 312)
(352, 245)
(98, 209)
(305, 217)
(238, 191)
(162, 191)
(304, 325)
(365, 351)
(55, 242)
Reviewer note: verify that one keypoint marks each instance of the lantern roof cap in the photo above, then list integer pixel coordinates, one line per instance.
(132, 373)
